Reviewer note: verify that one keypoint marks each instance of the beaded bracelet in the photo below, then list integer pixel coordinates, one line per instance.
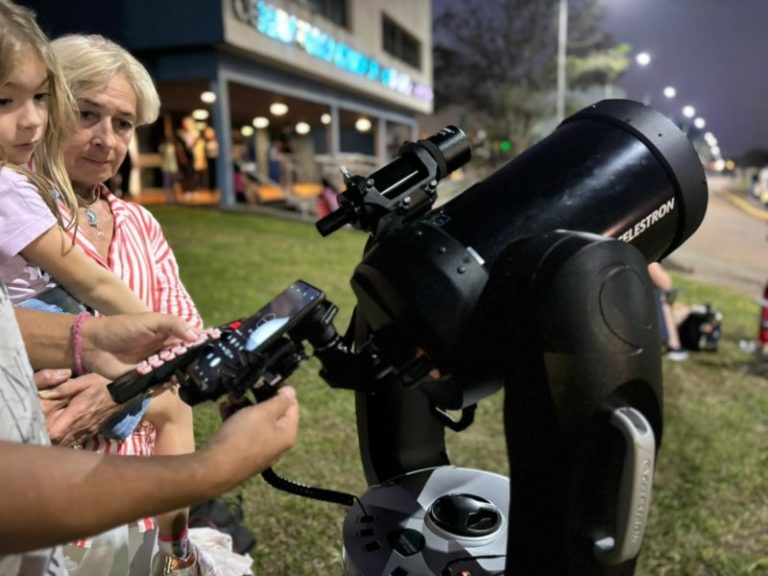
(77, 343)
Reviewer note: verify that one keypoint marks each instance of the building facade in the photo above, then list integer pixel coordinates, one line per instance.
(287, 89)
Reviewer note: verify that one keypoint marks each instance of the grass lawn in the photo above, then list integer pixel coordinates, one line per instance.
(710, 504)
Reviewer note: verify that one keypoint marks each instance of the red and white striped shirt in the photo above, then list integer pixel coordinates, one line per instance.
(140, 255)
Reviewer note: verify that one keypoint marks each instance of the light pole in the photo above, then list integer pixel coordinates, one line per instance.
(643, 59)
(562, 43)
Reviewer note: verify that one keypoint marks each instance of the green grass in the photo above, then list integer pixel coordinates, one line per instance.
(710, 507)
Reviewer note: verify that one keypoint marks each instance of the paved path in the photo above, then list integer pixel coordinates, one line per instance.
(731, 246)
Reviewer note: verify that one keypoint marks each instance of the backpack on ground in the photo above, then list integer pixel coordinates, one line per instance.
(700, 331)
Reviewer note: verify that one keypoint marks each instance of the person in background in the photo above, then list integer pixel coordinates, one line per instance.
(186, 136)
(211, 154)
(169, 166)
(663, 286)
(755, 190)
(328, 201)
(121, 183)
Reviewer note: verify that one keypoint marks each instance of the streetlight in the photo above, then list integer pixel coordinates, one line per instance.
(689, 111)
(643, 58)
(699, 122)
(670, 92)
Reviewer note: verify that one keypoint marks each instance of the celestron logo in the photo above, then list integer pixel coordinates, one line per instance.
(643, 500)
(648, 221)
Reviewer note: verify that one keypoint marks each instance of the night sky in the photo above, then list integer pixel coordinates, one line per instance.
(714, 52)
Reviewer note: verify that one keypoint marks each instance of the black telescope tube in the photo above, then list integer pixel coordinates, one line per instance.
(617, 168)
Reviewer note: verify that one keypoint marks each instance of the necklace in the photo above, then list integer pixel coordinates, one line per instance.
(90, 214)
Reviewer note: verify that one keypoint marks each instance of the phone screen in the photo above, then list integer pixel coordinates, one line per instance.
(279, 315)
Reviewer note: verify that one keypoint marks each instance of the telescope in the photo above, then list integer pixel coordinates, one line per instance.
(533, 280)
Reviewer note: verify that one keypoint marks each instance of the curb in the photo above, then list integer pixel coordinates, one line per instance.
(745, 206)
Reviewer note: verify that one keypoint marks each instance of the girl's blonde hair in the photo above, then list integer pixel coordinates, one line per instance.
(21, 37)
(90, 62)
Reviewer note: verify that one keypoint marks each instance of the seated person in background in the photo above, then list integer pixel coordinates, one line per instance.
(662, 283)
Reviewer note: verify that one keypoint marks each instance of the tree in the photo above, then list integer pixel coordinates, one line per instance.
(499, 60)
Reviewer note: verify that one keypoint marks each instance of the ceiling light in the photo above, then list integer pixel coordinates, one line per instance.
(363, 125)
(278, 109)
(302, 128)
(261, 122)
(208, 97)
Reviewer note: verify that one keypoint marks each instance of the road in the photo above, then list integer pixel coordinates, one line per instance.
(730, 248)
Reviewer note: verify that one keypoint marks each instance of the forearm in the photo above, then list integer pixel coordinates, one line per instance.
(91, 492)
(47, 337)
(108, 294)
(53, 495)
(80, 275)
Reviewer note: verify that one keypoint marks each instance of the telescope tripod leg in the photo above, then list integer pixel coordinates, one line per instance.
(583, 382)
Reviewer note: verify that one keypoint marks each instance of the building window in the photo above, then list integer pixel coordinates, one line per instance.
(400, 43)
(333, 10)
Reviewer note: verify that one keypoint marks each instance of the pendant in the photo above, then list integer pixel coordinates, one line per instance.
(91, 217)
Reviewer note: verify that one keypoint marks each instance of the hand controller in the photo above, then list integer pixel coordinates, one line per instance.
(249, 352)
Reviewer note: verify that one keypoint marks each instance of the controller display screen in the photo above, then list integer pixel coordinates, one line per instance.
(279, 315)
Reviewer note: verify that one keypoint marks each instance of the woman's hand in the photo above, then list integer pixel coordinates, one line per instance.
(113, 345)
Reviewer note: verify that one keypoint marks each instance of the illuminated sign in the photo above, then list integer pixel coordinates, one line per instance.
(279, 25)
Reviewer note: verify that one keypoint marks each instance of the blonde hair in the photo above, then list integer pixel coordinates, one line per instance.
(90, 62)
(20, 36)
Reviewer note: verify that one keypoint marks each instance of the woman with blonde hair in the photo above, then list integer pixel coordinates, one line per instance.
(114, 94)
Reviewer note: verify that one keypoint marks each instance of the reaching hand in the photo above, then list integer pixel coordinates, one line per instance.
(113, 345)
(254, 438)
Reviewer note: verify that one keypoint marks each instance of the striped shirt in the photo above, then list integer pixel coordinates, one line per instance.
(140, 255)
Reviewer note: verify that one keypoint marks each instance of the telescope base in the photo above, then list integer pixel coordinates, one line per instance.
(426, 521)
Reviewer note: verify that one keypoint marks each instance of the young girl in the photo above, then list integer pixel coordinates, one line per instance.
(36, 113)
(31, 92)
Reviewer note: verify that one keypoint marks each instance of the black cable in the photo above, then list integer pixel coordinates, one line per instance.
(312, 492)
